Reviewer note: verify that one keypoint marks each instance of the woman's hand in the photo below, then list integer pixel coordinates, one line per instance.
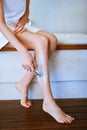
(28, 61)
(19, 27)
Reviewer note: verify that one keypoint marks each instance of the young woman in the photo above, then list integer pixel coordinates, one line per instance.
(16, 32)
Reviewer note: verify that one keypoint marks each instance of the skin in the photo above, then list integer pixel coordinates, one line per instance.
(43, 44)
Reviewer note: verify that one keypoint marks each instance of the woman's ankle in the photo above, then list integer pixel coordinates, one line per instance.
(48, 101)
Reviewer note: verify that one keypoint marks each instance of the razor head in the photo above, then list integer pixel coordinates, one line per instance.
(38, 73)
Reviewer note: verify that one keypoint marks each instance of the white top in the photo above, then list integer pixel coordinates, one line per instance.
(13, 10)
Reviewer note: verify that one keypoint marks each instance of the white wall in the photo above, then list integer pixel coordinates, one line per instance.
(71, 89)
(60, 15)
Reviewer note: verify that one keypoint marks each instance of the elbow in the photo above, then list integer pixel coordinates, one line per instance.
(2, 22)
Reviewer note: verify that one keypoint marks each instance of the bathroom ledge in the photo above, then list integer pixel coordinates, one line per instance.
(59, 47)
(71, 47)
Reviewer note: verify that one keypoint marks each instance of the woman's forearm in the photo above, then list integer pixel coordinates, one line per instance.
(26, 57)
(8, 33)
(11, 38)
(24, 18)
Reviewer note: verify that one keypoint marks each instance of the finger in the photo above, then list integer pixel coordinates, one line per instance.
(32, 67)
(35, 65)
(26, 67)
(18, 29)
(23, 29)
(15, 25)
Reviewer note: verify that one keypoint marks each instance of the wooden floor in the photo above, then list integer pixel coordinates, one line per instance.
(15, 117)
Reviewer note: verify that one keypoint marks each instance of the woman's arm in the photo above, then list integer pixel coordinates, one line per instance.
(7, 32)
(27, 59)
(19, 27)
(24, 18)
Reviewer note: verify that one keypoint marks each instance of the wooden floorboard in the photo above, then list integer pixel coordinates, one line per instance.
(15, 117)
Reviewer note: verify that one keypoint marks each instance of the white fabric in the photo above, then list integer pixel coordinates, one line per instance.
(3, 40)
(13, 11)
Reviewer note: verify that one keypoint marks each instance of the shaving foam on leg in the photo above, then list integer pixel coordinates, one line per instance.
(40, 71)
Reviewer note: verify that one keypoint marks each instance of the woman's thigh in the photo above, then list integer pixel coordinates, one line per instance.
(46, 34)
(31, 40)
(9, 45)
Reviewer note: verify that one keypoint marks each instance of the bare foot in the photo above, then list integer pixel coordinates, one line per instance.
(55, 111)
(24, 93)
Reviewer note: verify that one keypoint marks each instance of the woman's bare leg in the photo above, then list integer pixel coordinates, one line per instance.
(52, 41)
(22, 86)
(49, 105)
(40, 45)
(24, 83)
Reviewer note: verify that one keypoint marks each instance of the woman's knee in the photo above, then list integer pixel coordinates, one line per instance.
(42, 43)
(53, 42)
(38, 42)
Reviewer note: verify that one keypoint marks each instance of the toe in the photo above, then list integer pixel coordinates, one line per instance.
(25, 105)
(29, 103)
